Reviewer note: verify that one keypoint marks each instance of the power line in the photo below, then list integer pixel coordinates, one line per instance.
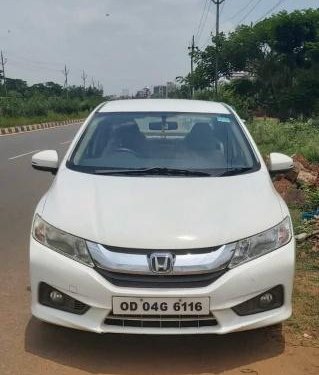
(37, 62)
(35, 65)
(204, 21)
(207, 40)
(222, 8)
(280, 2)
(201, 19)
(240, 11)
(32, 65)
(249, 12)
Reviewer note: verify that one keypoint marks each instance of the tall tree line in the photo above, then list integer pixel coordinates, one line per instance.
(279, 61)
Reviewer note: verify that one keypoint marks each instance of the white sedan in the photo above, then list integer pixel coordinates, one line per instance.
(162, 219)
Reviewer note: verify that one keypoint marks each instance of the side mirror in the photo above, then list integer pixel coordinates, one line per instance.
(47, 161)
(279, 162)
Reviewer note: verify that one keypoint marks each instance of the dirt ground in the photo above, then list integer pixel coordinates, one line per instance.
(40, 348)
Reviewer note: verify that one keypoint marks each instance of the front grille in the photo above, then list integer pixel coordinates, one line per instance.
(158, 321)
(160, 281)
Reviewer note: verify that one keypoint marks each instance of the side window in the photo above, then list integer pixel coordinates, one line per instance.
(87, 139)
(238, 151)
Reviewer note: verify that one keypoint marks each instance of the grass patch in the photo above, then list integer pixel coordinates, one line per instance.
(289, 137)
(6, 122)
(303, 326)
(298, 138)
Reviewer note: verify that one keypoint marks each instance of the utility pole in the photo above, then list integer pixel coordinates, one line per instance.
(217, 3)
(84, 78)
(99, 86)
(66, 72)
(192, 53)
(3, 63)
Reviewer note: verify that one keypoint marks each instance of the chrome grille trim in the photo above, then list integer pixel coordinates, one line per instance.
(185, 264)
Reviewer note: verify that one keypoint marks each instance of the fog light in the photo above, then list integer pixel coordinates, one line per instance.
(56, 297)
(266, 299)
(272, 299)
(51, 297)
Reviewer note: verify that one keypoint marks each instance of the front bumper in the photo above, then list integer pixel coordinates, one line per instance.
(234, 287)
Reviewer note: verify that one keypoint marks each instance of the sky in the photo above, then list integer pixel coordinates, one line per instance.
(123, 44)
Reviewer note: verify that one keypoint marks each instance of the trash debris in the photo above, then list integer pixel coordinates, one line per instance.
(301, 237)
(249, 371)
(309, 215)
(306, 336)
(304, 236)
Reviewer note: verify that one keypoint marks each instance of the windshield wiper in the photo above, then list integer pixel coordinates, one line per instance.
(235, 171)
(157, 171)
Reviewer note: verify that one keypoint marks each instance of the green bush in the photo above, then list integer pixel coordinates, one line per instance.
(35, 107)
(294, 137)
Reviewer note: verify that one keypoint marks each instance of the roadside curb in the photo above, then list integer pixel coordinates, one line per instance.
(44, 125)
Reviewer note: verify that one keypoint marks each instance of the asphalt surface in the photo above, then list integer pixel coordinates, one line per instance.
(28, 346)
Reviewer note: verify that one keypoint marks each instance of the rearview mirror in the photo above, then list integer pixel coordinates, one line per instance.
(279, 162)
(169, 125)
(47, 161)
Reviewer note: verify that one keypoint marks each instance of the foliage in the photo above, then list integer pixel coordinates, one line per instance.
(294, 137)
(312, 197)
(280, 59)
(51, 116)
(44, 100)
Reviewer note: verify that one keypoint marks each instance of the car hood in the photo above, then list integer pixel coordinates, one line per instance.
(162, 212)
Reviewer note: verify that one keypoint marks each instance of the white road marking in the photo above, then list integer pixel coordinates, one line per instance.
(66, 142)
(20, 156)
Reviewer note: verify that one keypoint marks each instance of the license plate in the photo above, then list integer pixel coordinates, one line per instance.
(160, 306)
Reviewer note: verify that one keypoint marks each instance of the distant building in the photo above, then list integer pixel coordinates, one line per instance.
(170, 87)
(143, 94)
(160, 91)
(239, 75)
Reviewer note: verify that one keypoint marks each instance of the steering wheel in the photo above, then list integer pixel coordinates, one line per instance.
(128, 150)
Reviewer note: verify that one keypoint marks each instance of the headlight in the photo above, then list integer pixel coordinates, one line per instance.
(64, 243)
(262, 243)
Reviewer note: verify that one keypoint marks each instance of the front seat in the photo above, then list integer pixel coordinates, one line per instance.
(201, 138)
(129, 136)
(203, 141)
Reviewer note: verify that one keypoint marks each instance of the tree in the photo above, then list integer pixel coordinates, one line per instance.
(280, 56)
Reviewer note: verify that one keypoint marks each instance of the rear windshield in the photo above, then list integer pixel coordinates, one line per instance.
(211, 143)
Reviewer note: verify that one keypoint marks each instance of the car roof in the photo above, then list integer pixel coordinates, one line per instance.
(164, 105)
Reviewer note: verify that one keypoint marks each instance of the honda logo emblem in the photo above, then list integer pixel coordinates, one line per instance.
(161, 262)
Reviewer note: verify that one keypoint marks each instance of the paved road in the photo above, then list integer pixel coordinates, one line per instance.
(28, 346)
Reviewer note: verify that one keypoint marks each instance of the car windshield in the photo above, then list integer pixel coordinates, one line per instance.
(163, 143)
